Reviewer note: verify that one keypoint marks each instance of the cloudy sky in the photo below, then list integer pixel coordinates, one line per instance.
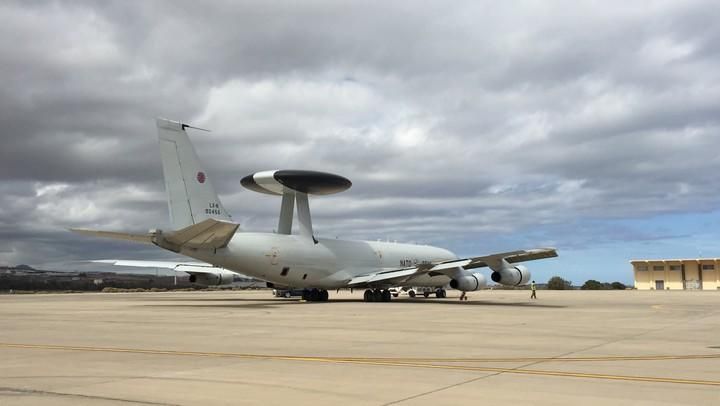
(478, 126)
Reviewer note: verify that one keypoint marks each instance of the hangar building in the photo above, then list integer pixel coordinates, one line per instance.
(677, 274)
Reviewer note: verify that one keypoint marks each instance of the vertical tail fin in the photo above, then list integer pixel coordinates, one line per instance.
(191, 196)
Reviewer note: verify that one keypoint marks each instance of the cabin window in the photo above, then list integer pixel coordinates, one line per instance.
(285, 271)
(305, 276)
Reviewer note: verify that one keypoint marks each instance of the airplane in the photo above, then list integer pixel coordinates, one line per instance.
(203, 230)
(200, 273)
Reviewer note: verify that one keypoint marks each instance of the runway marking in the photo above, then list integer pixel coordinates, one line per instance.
(373, 359)
(25, 391)
(427, 363)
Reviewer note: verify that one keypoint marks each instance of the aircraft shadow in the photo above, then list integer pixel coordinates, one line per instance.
(273, 302)
(232, 304)
(212, 299)
(456, 302)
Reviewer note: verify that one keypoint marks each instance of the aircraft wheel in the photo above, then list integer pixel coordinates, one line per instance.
(306, 295)
(386, 296)
(443, 293)
(395, 294)
(324, 296)
(426, 294)
(411, 293)
(314, 295)
(368, 295)
(377, 295)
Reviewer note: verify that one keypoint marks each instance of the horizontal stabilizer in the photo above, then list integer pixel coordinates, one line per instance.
(208, 234)
(143, 238)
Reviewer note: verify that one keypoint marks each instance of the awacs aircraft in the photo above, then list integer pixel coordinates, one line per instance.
(205, 231)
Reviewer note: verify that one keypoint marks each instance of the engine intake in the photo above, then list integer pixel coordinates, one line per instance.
(210, 279)
(512, 276)
(468, 282)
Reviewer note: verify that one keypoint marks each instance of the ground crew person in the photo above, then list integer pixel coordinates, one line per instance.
(462, 296)
(532, 287)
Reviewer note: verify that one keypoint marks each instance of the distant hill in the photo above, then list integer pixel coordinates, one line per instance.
(25, 267)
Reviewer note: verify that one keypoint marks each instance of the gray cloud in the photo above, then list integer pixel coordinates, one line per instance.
(470, 121)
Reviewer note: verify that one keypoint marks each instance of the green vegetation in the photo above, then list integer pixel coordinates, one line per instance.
(592, 284)
(558, 283)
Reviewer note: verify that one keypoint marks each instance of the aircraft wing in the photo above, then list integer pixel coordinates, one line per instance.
(200, 267)
(385, 275)
(494, 261)
(192, 268)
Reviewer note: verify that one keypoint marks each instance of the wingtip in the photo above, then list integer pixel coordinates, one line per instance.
(105, 261)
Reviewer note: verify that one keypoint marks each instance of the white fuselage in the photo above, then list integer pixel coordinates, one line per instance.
(296, 261)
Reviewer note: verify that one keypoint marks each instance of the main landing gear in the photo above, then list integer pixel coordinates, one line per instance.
(315, 295)
(377, 295)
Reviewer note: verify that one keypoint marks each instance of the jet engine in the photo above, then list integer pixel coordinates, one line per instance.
(468, 281)
(511, 275)
(211, 279)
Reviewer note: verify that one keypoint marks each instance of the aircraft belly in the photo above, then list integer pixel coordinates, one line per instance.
(295, 261)
(286, 260)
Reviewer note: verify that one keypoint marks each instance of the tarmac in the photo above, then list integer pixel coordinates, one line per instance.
(246, 347)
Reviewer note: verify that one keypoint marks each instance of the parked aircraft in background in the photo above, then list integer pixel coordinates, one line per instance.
(200, 272)
(205, 231)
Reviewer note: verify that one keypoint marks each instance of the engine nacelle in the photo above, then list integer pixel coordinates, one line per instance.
(211, 279)
(512, 276)
(468, 281)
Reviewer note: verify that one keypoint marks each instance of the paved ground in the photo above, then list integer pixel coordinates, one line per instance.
(211, 348)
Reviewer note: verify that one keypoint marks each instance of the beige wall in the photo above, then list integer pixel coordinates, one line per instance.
(642, 279)
(645, 280)
(674, 280)
(691, 271)
(656, 275)
(710, 278)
